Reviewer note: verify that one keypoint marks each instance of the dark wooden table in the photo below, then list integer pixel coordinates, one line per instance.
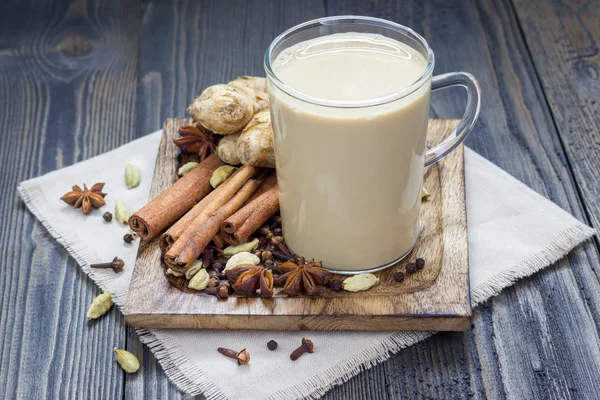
(80, 78)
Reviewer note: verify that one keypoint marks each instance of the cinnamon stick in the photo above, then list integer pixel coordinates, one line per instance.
(176, 230)
(175, 201)
(219, 241)
(229, 197)
(206, 207)
(237, 228)
(202, 235)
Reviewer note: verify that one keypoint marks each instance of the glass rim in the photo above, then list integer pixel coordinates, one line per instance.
(361, 20)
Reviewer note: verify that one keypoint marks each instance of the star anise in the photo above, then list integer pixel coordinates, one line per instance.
(197, 140)
(248, 278)
(85, 199)
(301, 277)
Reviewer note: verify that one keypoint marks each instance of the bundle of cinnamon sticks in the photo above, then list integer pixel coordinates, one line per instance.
(191, 214)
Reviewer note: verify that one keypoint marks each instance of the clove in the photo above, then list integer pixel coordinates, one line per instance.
(242, 357)
(116, 265)
(306, 347)
(278, 241)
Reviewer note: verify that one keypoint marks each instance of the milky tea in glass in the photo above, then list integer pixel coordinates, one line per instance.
(349, 112)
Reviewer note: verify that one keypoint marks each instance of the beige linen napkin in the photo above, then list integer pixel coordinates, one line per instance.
(513, 232)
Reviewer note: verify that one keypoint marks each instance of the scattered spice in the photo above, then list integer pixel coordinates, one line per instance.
(174, 273)
(132, 176)
(107, 216)
(100, 306)
(272, 345)
(211, 291)
(187, 167)
(128, 361)
(399, 276)
(86, 199)
(420, 263)
(335, 285)
(302, 277)
(244, 247)
(221, 174)
(199, 281)
(424, 193)
(213, 282)
(411, 268)
(241, 259)
(242, 357)
(122, 212)
(195, 139)
(128, 238)
(223, 292)
(249, 278)
(306, 347)
(116, 265)
(193, 270)
(360, 282)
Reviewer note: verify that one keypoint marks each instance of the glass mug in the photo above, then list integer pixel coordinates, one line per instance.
(350, 172)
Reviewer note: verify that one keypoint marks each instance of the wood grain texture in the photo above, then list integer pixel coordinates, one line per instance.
(436, 297)
(563, 39)
(68, 74)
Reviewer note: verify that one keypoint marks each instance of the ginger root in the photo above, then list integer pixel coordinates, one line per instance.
(227, 151)
(255, 144)
(258, 86)
(223, 109)
(253, 82)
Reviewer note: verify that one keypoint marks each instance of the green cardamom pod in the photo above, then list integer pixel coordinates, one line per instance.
(360, 282)
(132, 176)
(187, 167)
(100, 306)
(122, 212)
(242, 258)
(174, 273)
(424, 193)
(127, 360)
(248, 246)
(220, 175)
(199, 281)
(193, 270)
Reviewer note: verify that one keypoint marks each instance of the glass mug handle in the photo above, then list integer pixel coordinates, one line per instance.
(468, 119)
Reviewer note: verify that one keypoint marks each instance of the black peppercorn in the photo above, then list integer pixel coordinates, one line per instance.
(272, 345)
(218, 266)
(269, 263)
(399, 276)
(420, 263)
(411, 268)
(107, 216)
(336, 285)
(277, 231)
(128, 238)
(213, 274)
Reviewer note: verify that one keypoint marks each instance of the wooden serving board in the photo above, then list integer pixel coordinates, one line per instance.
(434, 298)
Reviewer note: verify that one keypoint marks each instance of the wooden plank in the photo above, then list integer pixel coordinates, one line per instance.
(563, 38)
(436, 297)
(68, 72)
(527, 342)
